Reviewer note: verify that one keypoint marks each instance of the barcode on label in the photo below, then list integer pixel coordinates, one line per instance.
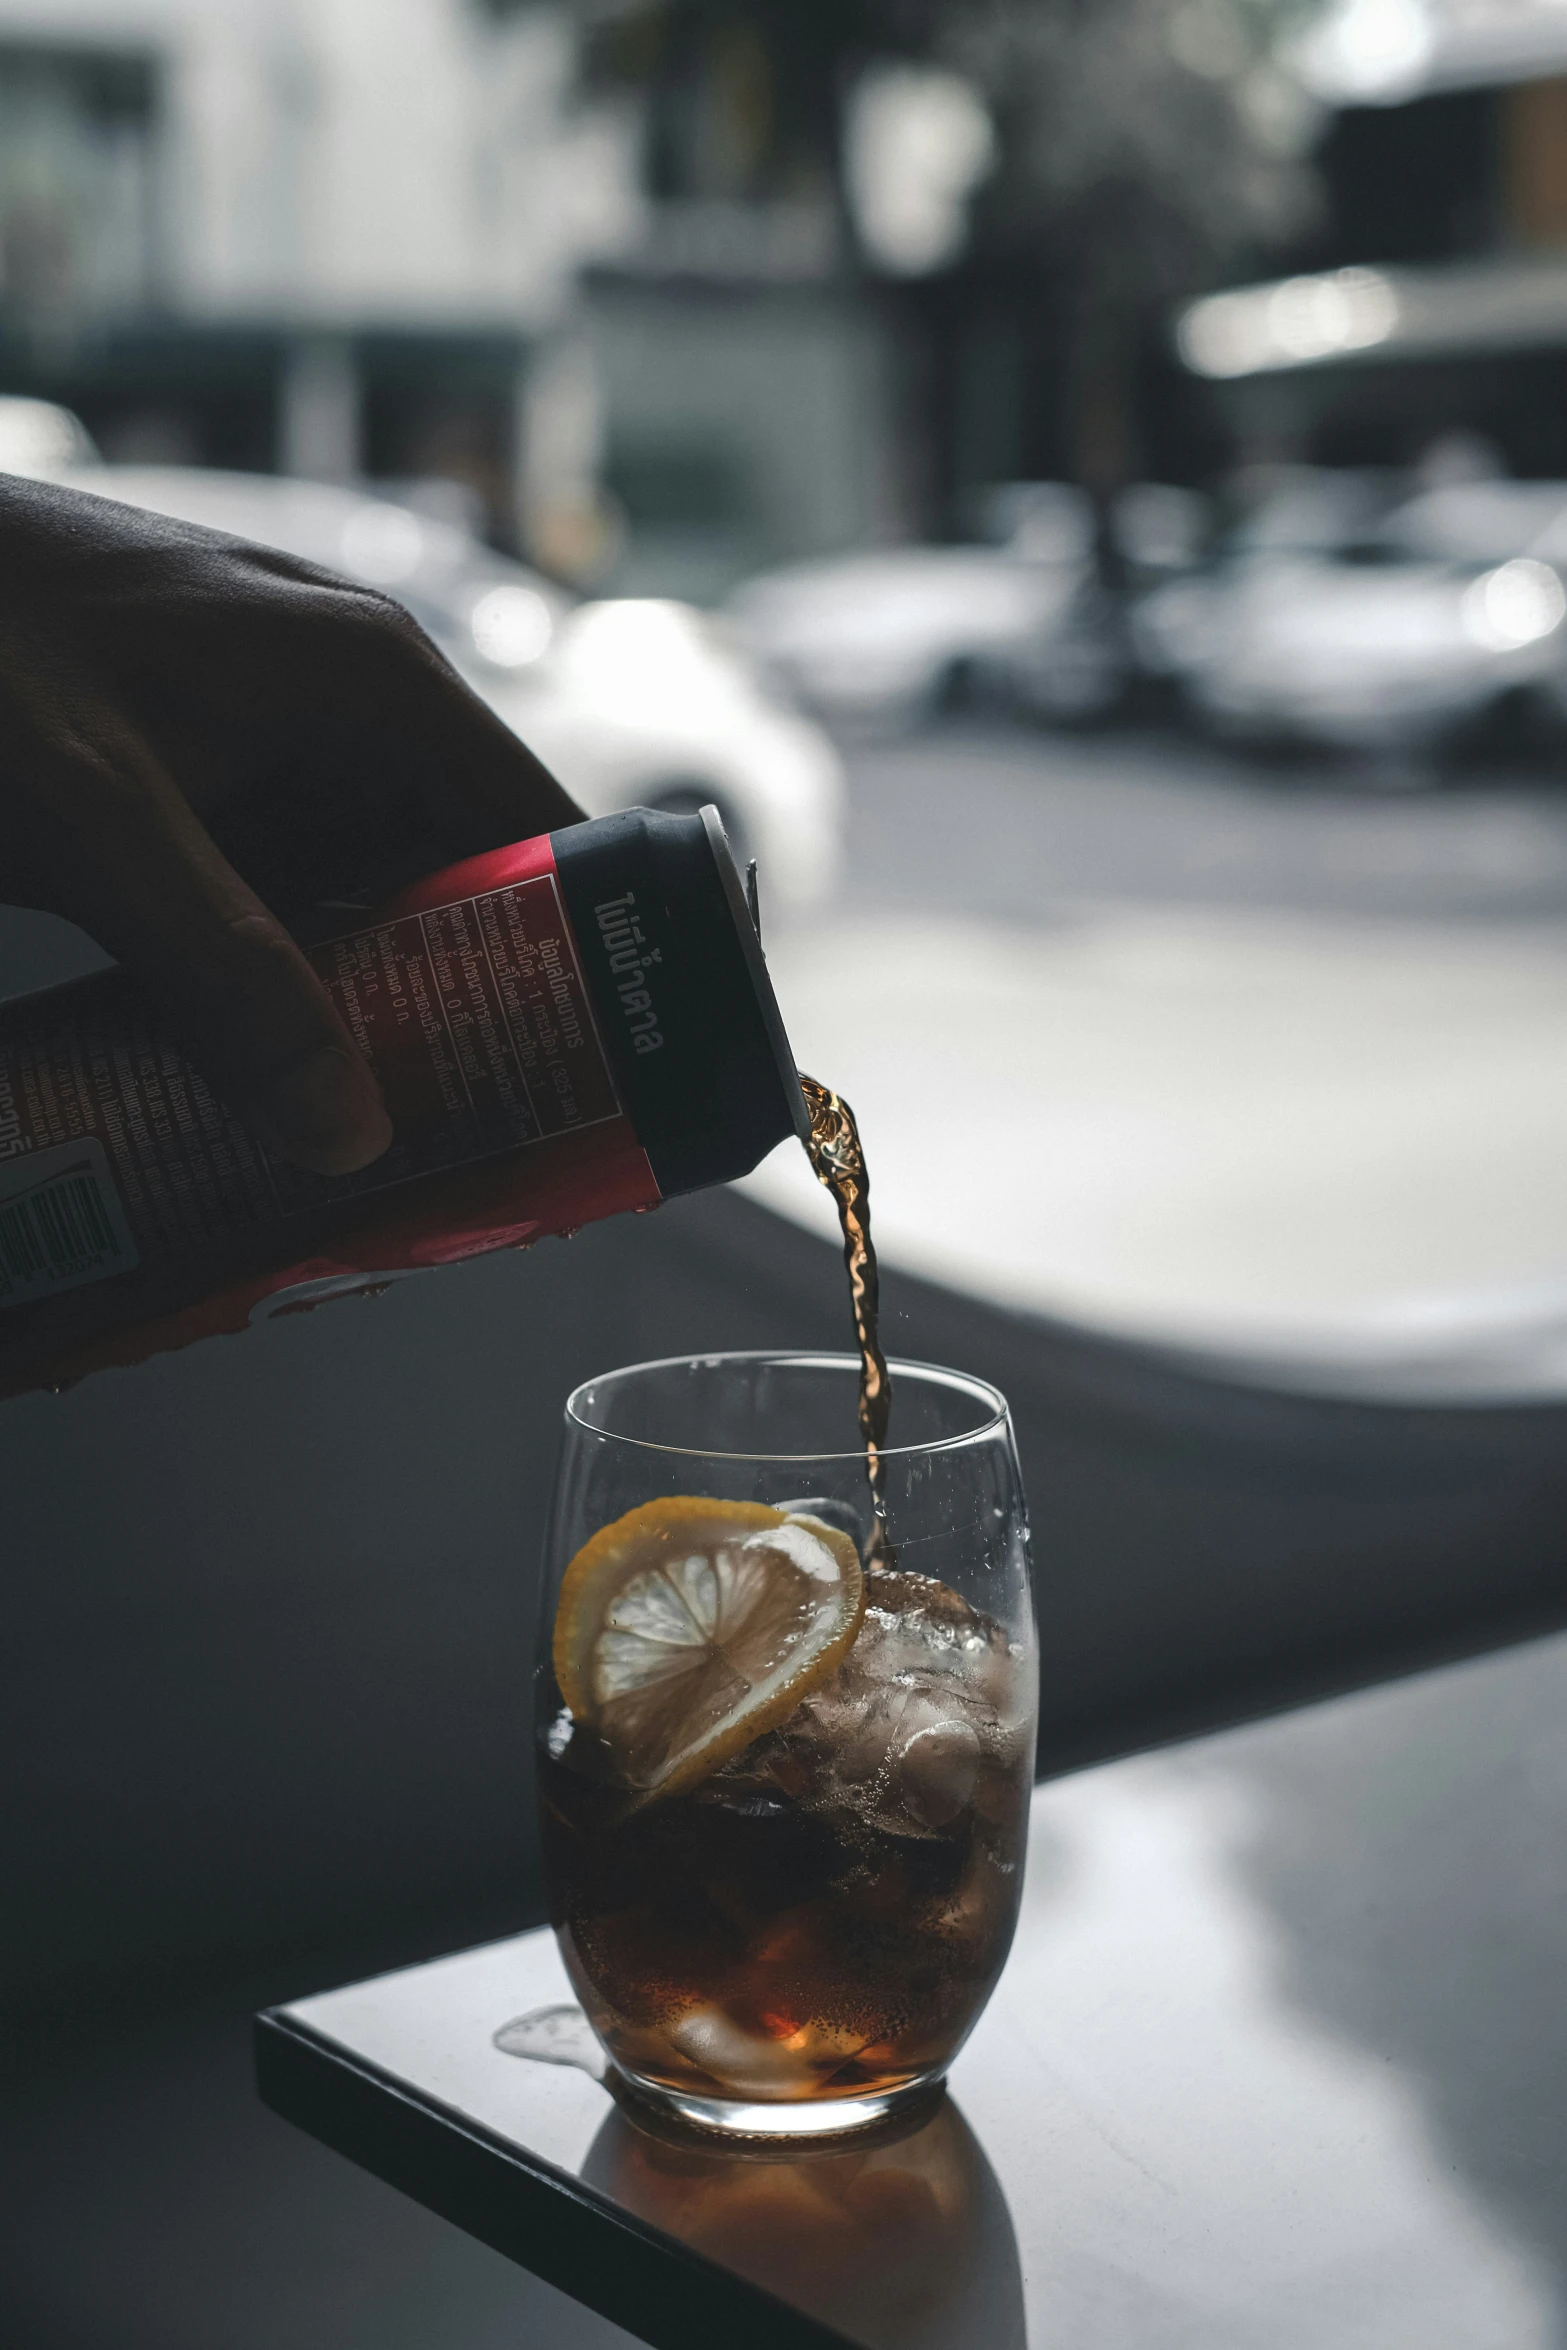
(61, 1223)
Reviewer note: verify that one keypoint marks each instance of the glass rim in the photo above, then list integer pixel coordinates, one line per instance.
(938, 1374)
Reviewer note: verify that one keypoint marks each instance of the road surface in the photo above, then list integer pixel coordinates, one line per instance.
(1253, 1059)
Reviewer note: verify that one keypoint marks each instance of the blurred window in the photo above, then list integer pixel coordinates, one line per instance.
(77, 209)
(676, 484)
(1415, 182)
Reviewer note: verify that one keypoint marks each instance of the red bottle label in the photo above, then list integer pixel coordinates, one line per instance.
(123, 1177)
(475, 1018)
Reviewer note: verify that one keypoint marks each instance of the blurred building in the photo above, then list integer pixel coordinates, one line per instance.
(753, 380)
(1433, 299)
(328, 238)
(601, 295)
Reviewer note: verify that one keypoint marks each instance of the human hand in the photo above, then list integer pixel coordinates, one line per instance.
(197, 730)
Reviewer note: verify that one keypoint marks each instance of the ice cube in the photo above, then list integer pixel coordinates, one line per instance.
(927, 1635)
(902, 1730)
(755, 2064)
(934, 1774)
(976, 1914)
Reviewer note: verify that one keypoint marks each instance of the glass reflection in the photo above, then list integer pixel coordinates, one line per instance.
(905, 2243)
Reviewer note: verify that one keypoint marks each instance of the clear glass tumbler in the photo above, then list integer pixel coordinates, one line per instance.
(784, 1791)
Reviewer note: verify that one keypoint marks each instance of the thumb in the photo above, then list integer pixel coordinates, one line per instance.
(265, 1030)
(113, 845)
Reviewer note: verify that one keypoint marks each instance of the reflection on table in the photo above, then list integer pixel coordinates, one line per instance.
(903, 2244)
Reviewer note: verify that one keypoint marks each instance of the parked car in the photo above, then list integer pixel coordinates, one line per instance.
(631, 703)
(41, 440)
(1160, 531)
(1305, 514)
(1402, 630)
(885, 637)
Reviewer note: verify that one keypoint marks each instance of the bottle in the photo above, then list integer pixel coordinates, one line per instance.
(563, 1029)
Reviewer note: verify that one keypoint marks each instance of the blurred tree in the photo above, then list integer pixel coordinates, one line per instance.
(1144, 147)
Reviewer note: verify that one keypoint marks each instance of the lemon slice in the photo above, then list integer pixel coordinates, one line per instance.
(688, 1627)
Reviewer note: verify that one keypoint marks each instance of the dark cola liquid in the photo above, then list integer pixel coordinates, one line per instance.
(826, 1915)
(837, 1159)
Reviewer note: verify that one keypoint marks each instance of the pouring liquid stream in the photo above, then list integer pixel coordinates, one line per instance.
(838, 1162)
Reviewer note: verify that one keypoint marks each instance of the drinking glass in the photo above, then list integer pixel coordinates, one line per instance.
(784, 1892)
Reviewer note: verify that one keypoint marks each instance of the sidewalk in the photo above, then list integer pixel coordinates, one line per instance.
(1333, 1140)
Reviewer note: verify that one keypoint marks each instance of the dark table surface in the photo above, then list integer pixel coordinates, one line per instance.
(1279, 2063)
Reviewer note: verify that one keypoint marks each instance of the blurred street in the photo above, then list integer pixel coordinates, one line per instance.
(1256, 1057)
(1032, 827)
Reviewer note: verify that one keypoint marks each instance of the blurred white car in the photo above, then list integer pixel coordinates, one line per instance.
(885, 637)
(632, 704)
(41, 440)
(1445, 618)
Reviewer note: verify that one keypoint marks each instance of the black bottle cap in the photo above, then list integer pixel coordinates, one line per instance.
(680, 989)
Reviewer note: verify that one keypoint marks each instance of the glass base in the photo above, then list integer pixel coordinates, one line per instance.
(810, 2118)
